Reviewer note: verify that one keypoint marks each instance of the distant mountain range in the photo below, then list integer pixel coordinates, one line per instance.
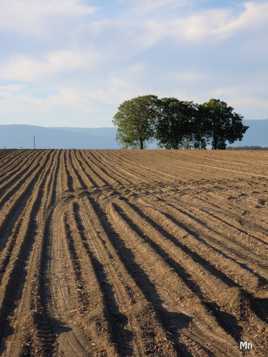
(22, 136)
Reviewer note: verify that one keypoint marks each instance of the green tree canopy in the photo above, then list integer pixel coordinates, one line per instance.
(135, 120)
(223, 124)
(200, 127)
(174, 122)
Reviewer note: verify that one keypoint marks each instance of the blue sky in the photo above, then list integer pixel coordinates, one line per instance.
(72, 62)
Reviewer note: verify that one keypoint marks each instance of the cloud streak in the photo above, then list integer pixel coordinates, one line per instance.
(30, 68)
(71, 58)
(33, 16)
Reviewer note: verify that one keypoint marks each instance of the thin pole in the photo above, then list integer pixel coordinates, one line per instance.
(34, 142)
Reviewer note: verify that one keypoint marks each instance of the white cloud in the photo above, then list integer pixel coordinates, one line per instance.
(144, 6)
(254, 15)
(190, 76)
(9, 89)
(32, 16)
(90, 104)
(87, 66)
(29, 68)
(209, 24)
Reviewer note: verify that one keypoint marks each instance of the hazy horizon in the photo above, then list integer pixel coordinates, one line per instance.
(21, 136)
(90, 127)
(71, 63)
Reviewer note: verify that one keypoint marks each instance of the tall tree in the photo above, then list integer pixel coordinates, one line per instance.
(135, 120)
(223, 123)
(200, 127)
(174, 123)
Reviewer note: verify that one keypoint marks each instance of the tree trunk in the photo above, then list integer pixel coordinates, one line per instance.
(141, 144)
(215, 142)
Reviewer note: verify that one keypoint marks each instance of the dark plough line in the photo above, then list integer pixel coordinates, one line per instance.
(142, 280)
(222, 317)
(18, 275)
(117, 322)
(12, 216)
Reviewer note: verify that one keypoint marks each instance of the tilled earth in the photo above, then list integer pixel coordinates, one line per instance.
(131, 253)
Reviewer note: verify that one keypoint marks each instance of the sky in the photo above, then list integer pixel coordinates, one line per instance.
(72, 62)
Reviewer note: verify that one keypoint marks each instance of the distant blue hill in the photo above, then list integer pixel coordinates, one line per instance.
(21, 136)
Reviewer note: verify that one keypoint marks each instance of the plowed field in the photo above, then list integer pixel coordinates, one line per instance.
(130, 253)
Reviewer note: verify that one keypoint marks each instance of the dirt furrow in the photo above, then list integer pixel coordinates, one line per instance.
(179, 290)
(10, 158)
(85, 180)
(64, 303)
(4, 154)
(129, 253)
(228, 218)
(68, 289)
(19, 201)
(202, 235)
(118, 166)
(20, 163)
(211, 279)
(34, 329)
(234, 305)
(109, 169)
(86, 267)
(94, 174)
(138, 169)
(214, 170)
(208, 158)
(44, 322)
(122, 273)
(105, 173)
(148, 335)
(19, 283)
(108, 317)
(233, 240)
(12, 186)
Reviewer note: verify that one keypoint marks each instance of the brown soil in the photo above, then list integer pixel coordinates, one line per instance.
(130, 253)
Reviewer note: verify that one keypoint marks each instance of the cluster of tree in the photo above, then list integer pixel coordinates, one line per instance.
(248, 147)
(177, 124)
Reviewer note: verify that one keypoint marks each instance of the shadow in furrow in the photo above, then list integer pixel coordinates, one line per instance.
(196, 235)
(172, 322)
(234, 331)
(70, 181)
(196, 257)
(48, 327)
(241, 220)
(260, 307)
(82, 184)
(18, 275)
(117, 322)
(83, 169)
(230, 225)
(15, 211)
(90, 167)
(83, 297)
